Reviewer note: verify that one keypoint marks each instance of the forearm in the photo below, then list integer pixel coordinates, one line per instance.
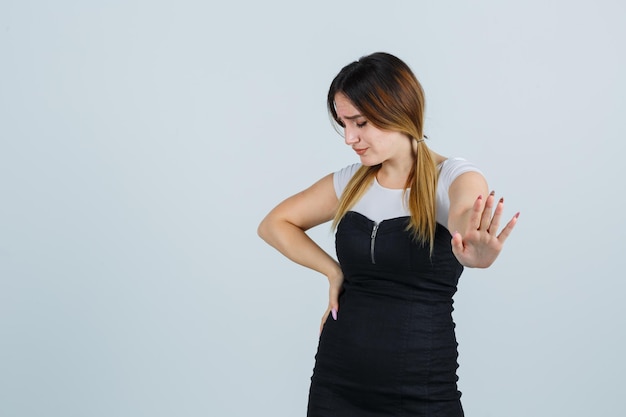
(296, 245)
(459, 221)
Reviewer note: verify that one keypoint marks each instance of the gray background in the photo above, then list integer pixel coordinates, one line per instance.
(141, 142)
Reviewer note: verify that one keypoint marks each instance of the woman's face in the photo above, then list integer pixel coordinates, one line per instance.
(373, 145)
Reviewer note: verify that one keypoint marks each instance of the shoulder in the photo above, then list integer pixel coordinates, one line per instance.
(348, 170)
(343, 176)
(451, 168)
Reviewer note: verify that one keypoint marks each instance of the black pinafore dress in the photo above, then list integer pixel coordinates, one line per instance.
(392, 352)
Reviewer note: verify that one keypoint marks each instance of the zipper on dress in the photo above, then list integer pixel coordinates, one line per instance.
(372, 241)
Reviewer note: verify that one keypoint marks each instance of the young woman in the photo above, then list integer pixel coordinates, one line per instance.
(407, 221)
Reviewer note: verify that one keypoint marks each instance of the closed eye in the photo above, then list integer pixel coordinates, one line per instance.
(362, 124)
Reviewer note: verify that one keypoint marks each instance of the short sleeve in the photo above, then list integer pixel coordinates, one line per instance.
(342, 177)
(449, 170)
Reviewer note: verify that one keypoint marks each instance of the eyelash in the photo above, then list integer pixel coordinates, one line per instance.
(359, 125)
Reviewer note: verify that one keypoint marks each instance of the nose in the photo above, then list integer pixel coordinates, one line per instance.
(351, 135)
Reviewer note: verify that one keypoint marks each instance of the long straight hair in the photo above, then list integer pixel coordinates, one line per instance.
(386, 92)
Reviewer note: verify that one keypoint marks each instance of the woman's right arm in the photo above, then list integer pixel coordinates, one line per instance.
(284, 228)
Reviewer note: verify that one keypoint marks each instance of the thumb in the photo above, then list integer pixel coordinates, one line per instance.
(457, 242)
(333, 302)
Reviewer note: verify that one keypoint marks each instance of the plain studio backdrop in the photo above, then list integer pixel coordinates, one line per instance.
(142, 142)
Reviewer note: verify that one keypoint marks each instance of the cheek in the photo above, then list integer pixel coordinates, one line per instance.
(381, 144)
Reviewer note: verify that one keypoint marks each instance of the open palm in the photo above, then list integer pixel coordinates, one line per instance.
(480, 244)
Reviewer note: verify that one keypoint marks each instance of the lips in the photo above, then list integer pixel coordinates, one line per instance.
(360, 151)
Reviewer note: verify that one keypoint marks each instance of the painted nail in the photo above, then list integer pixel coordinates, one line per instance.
(334, 313)
(502, 199)
(492, 193)
(517, 215)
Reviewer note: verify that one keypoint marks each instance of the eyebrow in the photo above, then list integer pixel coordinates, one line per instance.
(356, 116)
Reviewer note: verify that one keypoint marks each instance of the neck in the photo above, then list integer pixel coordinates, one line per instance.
(394, 174)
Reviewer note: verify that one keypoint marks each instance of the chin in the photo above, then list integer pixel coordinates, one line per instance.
(369, 162)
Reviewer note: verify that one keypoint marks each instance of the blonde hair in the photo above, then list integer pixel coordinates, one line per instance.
(385, 90)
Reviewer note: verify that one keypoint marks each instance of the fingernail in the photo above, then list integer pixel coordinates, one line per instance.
(502, 199)
(480, 197)
(333, 312)
(492, 193)
(517, 215)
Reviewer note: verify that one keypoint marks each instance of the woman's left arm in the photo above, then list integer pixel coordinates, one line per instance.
(473, 222)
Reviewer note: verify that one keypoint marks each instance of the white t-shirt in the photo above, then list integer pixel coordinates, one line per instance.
(380, 203)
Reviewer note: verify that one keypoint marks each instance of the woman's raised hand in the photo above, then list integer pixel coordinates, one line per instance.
(480, 244)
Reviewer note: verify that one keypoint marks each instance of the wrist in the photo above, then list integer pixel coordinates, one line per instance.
(335, 274)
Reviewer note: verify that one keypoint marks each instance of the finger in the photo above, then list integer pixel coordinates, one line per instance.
(333, 303)
(477, 210)
(495, 221)
(324, 318)
(485, 218)
(504, 234)
(327, 313)
(457, 243)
